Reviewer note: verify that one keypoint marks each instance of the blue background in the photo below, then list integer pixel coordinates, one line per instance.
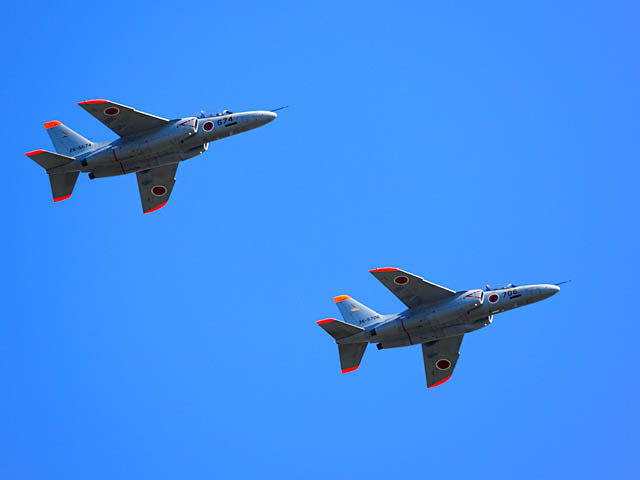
(469, 144)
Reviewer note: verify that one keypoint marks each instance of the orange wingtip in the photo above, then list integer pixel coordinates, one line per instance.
(35, 152)
(157, 208)
(386, 269)
(326, 320)
(59, 199)
(89, 102)
(440, 382)
(341, 298)
(347, 370)
(53, 123)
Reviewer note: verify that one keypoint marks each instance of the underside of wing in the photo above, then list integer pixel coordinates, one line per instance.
(123, 120)
(440, 358)
(412, 290)
(155, 186)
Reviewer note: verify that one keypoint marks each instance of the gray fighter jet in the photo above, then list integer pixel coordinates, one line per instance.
(436, 318)
(148, 145)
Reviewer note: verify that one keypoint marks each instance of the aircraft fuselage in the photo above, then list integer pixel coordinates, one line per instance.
(179, 140)
(465, 312)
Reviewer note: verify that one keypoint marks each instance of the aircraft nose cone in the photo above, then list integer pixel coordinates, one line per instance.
(547, 291)
(266, 117)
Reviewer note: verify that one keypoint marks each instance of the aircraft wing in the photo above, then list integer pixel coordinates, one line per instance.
(155, 186)
(412, 290)
(123, 120)
(440, 358)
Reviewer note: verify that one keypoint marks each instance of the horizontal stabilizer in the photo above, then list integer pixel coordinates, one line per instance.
(338, 329)
(351, 355)
(49, 160)
(62, 185)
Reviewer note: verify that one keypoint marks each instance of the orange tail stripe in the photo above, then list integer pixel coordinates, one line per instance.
(341, 298)
(326, 320)
(35, 152)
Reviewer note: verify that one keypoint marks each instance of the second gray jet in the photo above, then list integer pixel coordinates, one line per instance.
(436, 317)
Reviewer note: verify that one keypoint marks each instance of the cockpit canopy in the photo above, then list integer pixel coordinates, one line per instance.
(489, 288)
(204, 114)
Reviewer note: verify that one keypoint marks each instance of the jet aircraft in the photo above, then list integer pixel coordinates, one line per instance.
(436, 318)
(148, 145)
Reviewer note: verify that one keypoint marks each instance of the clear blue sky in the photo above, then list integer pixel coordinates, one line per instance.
(468, 144)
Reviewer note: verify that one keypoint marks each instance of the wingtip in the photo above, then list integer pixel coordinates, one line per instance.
(59, 199)
(341, 298)
(51, 124)
(90, 102)
(156, 208)
(326, 320)
(347, 370)
(384, 269)
(440, 382)
(34, 152)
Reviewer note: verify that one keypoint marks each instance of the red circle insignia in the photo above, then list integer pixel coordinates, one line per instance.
(493, 298)
(443, 364)
(401, 280)
(159, 190)
(208, 126)
(111, 111)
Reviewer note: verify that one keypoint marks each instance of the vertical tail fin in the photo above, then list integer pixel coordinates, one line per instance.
(65, 140)
(354, 312)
